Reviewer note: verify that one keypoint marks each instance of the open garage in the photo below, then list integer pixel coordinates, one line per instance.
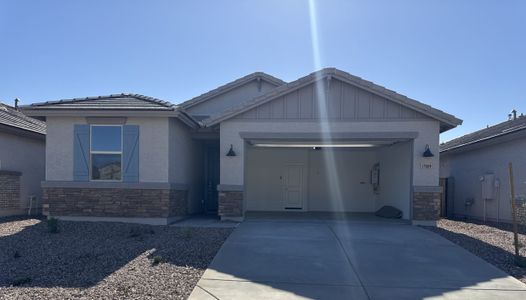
(320, 177)
(330, 142)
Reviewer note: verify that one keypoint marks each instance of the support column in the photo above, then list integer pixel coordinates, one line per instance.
(230, 206)
(426, 204)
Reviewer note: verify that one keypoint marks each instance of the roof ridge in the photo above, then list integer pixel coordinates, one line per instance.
(152, 99)
(110, 96)
(10, 116)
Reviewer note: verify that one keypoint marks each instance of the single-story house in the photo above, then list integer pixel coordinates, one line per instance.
(329, 142)
(476, 169)
(22, 161)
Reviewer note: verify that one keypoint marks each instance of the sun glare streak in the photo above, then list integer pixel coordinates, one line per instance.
(322, 93)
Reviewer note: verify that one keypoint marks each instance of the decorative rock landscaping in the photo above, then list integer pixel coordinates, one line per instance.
(492, 242)
(103, 260)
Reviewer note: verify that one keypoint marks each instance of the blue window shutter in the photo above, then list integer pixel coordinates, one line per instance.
(81, 152)
(130, 153)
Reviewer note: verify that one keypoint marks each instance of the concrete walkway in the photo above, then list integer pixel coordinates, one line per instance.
(210, 221)
(273, 258)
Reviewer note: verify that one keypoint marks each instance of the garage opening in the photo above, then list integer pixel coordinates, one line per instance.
(348, 176)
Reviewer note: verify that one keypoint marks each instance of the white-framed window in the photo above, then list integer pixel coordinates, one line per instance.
(106, 152)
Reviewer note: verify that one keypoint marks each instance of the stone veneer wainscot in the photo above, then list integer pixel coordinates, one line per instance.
(9, 189)
(230, 202)
(115, 202)
(426, 203)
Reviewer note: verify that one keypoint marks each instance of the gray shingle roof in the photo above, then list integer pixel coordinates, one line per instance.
(111, 102)
(231, 85)
(11, 117)
(485, 134)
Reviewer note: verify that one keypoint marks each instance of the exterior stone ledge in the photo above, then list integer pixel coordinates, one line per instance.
(10, 173)
(230, 188)
(121, 185)
(427, 189)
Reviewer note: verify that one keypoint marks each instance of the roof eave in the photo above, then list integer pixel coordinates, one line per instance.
(49, 112)
(22, 132)
(173, 112)
(467, 146)
(182, 115)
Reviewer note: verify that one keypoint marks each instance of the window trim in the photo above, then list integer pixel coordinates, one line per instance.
(91, 152)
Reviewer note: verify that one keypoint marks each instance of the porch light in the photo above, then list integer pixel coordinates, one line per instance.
(231, 151)
(427, 152)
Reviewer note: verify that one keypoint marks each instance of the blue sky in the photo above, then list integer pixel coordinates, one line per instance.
(466, 57)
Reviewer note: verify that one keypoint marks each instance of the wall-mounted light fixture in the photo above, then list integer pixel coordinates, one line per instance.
(231, 151)
(427, 152)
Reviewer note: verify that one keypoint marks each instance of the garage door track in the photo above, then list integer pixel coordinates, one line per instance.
(346, 259)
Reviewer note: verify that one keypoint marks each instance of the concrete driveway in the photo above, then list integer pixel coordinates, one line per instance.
(348, 259)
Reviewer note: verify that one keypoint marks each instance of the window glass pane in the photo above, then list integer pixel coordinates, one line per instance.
(106, 138)
(106, 166)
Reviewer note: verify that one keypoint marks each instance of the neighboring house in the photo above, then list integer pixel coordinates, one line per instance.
(476, 167)
(22, 162)
(255, 144)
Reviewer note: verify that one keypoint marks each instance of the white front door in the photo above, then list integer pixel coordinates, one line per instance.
(293, 186)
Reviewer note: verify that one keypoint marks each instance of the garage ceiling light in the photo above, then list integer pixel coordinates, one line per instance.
(316, 145)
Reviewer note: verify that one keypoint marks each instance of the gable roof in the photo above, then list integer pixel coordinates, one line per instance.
(232, 85)
(13, 118)
(495, 131)
(124, 101)
(447, 121)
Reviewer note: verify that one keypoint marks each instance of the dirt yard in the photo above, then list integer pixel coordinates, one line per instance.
(88, 260)
(491, 241)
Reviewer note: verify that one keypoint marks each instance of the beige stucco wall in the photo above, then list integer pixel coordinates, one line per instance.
(232, 168)
(59, 147)
(153, 148)
(26, 155)
(186, 163)
(231, 98)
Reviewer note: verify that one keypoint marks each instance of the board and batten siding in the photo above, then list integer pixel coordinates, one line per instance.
(344, 102)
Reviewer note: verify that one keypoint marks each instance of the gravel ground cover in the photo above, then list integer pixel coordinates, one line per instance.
(89, 260)
(491, 241)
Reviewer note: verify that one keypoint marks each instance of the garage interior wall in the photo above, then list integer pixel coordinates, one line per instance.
(266, 168)
(395, 177)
